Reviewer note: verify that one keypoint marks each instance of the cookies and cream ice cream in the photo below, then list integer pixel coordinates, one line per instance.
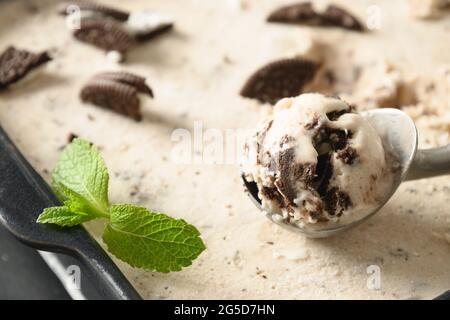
(315, 160)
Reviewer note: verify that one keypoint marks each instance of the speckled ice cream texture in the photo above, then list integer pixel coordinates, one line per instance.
(196, 73)
(317, 161)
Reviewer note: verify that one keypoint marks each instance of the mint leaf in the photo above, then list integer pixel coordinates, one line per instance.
(82, 171)
(63, 217)
(140, 237)
(151, 240)
(76, 210)
(76, 202)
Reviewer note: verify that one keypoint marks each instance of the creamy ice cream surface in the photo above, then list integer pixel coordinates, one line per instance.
(196, 72)
(315, 160)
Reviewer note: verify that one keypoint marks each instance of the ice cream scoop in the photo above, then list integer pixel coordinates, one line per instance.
(320, 189)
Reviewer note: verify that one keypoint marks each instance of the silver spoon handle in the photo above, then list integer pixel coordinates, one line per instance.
(430, 163)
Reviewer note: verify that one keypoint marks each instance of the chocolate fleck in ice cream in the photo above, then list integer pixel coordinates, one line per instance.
(315, 160)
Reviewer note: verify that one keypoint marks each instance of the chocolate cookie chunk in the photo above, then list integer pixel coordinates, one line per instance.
(291, 173)
(338, 17)
(304, 14)
(348, 155)
(328, 141)
(131, 79)
(15, 64)
(105, 34)
(113, 29)
(323, 173)
(273, 194)
(112, 95)
(94, 7)
(301, 13)
(279, 79)
(335, 115)
(336, 202)
(117, 91)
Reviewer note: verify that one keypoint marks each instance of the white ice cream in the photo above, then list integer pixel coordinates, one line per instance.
(142, 22)
(315, 161)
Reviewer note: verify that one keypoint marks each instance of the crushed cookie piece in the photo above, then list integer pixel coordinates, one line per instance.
(304, 13)
(348, 155)
(15, 64)
(279, 79)
(117, 91)
(105, 34)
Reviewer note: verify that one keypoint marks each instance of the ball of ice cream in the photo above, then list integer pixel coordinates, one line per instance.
(315, 160)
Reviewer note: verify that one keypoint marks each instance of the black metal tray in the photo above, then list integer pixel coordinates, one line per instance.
(23, 196)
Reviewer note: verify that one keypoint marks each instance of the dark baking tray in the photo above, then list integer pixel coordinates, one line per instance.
(24, 274)
(23, 196)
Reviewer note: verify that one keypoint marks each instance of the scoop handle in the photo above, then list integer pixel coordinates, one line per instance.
(430, 163)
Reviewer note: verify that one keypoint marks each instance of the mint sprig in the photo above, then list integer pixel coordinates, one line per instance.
(142, 238)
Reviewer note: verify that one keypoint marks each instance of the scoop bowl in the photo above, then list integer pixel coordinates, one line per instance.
(400, 139)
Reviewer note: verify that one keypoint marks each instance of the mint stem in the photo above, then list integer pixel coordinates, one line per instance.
(102, 213)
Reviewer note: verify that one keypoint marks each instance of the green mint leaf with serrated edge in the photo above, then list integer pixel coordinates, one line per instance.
(82, 170)
(151, 240)
(140, 237)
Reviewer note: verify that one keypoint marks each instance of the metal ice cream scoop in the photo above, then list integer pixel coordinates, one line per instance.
(399, 136)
